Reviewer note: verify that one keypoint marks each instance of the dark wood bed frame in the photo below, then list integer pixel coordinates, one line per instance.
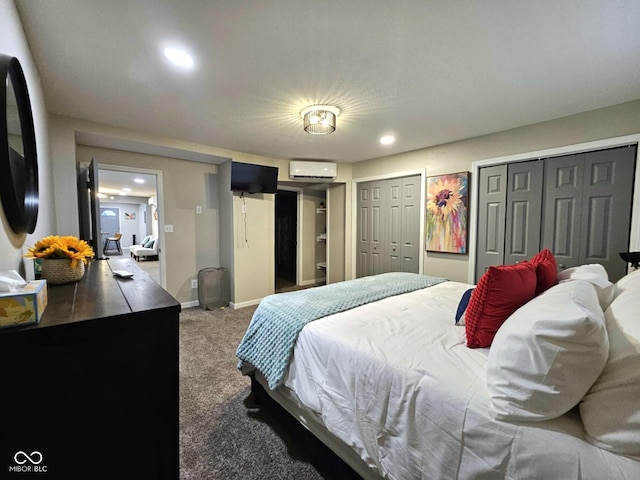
(328, 464)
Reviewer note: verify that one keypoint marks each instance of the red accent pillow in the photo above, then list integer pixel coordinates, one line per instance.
(546, 270)
(499, 293)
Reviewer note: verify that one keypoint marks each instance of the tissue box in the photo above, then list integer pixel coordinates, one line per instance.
(24, 306)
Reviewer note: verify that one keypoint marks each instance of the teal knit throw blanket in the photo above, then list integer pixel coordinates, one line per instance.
(268, 342)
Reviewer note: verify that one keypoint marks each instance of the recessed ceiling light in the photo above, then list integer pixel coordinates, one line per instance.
(138, 180)
(126, 189)
(179, 57)
(387, 139)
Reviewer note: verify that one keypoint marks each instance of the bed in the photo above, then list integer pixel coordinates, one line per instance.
(392, 387)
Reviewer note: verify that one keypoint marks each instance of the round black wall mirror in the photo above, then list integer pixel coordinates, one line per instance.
(18, 157)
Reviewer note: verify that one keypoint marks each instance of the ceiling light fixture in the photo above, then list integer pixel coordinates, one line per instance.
(387, 139)
(320, 119)
(179, 57)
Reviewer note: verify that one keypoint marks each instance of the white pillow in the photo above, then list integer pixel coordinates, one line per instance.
(611, 409)
(547, 354)
(629, 281)
(595, 274)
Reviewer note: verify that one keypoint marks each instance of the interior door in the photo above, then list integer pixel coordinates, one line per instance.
(388, 226)
(562, 208)
(84, 203)
(391, 202)
(524, 210)
(110, 225)
(410, 224)
(606, 208)
(376, 224)
(492, 199)
(363, 231)
(96, 230)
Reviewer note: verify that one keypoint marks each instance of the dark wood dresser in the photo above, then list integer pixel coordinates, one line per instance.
(93, 388)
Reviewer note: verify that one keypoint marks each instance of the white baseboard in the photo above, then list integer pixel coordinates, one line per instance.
(248, 303)
(256, 301)
(192, 303)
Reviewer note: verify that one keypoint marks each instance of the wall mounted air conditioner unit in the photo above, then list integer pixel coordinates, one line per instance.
(303, 170)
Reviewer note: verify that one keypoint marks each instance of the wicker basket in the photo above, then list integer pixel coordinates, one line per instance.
(58, 270)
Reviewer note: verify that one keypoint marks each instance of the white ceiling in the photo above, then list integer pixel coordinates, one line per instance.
(113, 182)
(428, 71)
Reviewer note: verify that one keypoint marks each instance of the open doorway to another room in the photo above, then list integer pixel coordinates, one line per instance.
(286, 241)
(135, 195)
(127, 202)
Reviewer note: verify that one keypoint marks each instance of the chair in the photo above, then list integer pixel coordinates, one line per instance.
(116, 239)
(151, 251)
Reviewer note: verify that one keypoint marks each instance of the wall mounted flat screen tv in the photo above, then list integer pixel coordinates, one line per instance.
(247, 177)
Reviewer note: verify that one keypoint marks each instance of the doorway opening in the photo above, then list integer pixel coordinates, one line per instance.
(123, 201)
(286, 241)
(135, 193)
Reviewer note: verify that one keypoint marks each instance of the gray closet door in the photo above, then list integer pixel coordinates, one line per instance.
(376, 250)
(524, 210)
(369, 233)
(585, 218)
(363, 233)
(401, 197)
(370, 257)
(492, 199)
(606, 208)
(587, 209)
(564, 180)
(410, 225)
(388, 226)
(392, 224)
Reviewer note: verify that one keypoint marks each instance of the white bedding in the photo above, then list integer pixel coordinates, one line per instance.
(394, 381)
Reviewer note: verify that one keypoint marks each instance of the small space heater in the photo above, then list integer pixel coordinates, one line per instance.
(213, 288)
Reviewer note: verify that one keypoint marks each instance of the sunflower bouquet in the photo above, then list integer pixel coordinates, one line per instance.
(62, 247)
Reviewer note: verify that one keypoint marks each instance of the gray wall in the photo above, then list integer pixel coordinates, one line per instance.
(12, 246)
(459, 156)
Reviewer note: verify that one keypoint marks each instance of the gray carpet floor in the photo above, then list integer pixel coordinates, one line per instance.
(223, 434)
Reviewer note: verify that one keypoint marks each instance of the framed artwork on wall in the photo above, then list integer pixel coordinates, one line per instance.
(446, 216)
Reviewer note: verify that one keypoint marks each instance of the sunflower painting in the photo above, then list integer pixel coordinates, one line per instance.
(447, 199)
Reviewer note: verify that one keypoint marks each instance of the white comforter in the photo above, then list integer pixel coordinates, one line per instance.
(395, 381)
